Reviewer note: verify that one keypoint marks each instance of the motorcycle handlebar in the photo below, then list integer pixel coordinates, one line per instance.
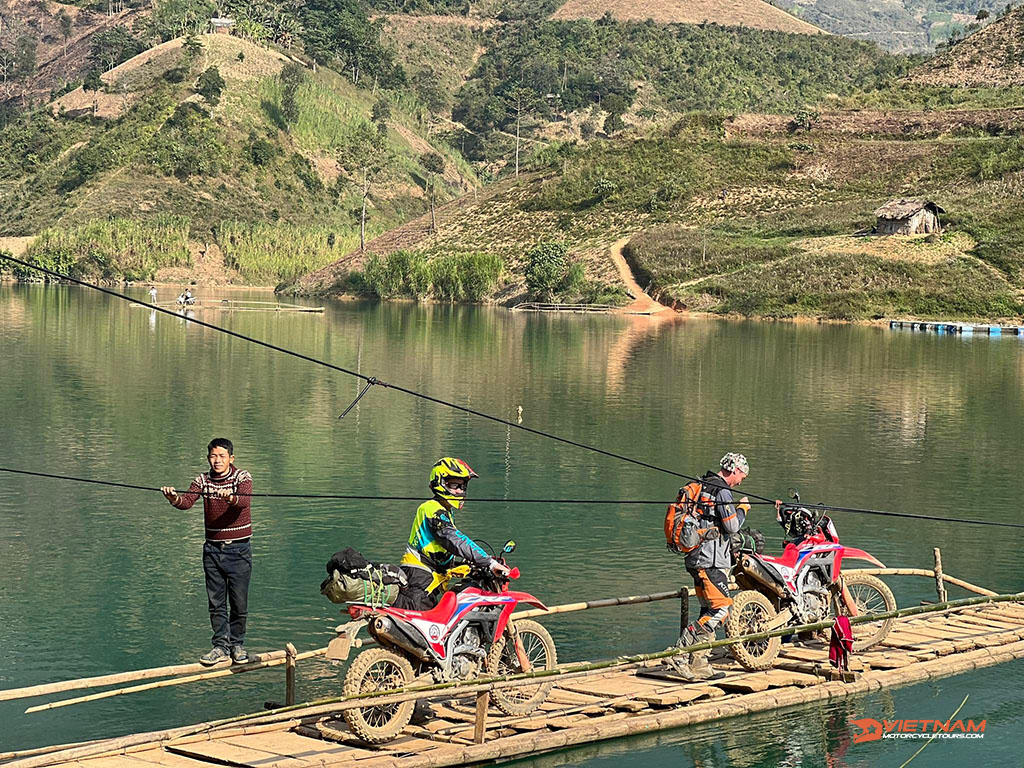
(514, 573)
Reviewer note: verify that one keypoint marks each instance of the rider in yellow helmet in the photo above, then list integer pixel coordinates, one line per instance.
(435, 542)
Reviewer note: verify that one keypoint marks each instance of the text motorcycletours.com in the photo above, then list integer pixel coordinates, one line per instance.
(875, 730)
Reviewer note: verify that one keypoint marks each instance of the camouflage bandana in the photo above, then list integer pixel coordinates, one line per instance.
(735, 461)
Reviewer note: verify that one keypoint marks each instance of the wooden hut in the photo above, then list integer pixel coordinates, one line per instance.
(908, 217)
(221, 25)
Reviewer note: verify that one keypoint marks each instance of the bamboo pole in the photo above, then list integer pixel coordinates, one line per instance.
(119, 677)
(483, 701)
(928, 573)
(160, 684)
(607, 602)
(940, 588)
(289, 675)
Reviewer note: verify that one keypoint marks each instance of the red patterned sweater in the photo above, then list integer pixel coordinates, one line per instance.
(223, 520)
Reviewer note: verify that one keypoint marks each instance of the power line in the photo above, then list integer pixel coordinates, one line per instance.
(630, 502)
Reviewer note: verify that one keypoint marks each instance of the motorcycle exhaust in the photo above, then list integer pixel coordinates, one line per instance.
(760, 574)
(388, 632)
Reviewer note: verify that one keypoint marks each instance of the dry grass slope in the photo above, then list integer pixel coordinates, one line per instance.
(739, 13)
(993, 57)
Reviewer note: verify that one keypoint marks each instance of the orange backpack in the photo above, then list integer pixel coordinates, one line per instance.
(690, 518)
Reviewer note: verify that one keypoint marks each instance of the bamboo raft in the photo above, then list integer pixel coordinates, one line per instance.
(232, 305)
(589, 703)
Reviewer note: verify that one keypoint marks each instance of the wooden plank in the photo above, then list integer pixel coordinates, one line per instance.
(293, 745)
(676, 697)
(991, 623)
(749, 683)
(572, 721)
(233, 754)
(159, 756)
(610, 687)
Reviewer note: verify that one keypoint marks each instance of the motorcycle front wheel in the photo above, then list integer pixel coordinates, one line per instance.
(502, 659)
(871, 595)
(373, 670)
(751, 612)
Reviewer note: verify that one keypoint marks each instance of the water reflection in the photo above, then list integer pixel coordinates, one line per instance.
(859, 416)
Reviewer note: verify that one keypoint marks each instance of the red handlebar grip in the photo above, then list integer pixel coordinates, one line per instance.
(514, 573)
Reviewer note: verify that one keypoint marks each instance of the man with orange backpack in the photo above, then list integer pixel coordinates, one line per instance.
(698, 527)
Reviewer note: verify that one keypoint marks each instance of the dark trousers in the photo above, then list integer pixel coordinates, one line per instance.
(228, 568)
(414, 596)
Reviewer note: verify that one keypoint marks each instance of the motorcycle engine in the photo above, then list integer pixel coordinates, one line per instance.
(814, 600)
(467, 655)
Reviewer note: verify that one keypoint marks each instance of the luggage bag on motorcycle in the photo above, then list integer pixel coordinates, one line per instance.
(353, 579)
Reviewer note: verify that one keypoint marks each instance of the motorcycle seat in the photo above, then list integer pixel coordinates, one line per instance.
(439, 614)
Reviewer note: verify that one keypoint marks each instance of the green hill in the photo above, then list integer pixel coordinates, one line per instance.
(240, 169)
(757, 217)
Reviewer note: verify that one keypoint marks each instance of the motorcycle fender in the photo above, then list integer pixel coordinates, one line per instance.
(860, 554)
(520, 597)
(340, 646)
(526, 597)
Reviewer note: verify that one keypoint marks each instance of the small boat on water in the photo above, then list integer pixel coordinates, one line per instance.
(232, 305)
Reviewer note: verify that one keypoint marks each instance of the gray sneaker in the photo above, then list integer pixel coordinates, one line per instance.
(239, 655)
(214, 656)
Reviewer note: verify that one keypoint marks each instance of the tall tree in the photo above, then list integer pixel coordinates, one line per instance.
(25, 56)
(65, 28)
(520, 103)
(366, 157)
(7, 64)
(433, 164)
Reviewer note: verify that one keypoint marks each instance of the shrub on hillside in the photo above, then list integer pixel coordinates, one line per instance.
(451, 277)
(546, 268)
(210, 86)
(188, 144)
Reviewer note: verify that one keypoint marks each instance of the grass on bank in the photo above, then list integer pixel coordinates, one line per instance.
(112, 249)
(277, 253)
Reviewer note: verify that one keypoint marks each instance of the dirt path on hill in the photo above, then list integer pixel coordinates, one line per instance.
(642, 303)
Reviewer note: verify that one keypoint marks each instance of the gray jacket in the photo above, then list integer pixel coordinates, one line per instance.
(715, 553)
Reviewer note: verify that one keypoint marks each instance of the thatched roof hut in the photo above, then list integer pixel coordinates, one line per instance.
(908, 217)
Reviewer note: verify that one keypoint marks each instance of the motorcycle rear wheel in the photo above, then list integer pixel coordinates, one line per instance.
(871, 595)
(378, 669)
(503, 660)
(750, 613)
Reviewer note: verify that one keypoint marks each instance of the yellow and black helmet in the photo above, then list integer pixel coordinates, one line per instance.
(449, 479)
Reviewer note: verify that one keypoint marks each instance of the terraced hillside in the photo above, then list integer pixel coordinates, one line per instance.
(261, 164)
(993, 57)
(732, 216)
(731, 13)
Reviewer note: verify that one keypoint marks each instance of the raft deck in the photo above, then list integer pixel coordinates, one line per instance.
(604, 706)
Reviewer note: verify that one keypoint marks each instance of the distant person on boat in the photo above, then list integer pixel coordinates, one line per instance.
(435, 542)
(227, 552)
(186, 298)
(710, 562)
(152, 294)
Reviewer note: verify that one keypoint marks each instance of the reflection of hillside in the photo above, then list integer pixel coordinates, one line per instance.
(639, 327)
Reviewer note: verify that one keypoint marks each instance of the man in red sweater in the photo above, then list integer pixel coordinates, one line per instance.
(227, 552)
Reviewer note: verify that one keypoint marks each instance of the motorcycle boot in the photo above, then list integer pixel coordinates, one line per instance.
(701, 667)
(679, 666)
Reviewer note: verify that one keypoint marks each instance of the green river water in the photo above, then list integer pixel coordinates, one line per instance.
(96, 580)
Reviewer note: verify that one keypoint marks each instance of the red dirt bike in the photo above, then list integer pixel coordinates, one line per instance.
(469, 632)
(804, 586)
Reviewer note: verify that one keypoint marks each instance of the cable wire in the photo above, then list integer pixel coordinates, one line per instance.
(366, 497)
(371, 380)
